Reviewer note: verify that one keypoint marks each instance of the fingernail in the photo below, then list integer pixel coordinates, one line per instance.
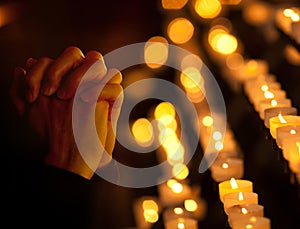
(47, 90)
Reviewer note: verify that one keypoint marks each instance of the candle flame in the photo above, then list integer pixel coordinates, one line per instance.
(268, 95)
(241, 197)
(298, 145)
(178, 211)
(249, 226)
(233, 183)
(264, 87)
(225, 165)
(180, 225)
(244, 211)
(292, 131)
(281, 119)
(274, 103)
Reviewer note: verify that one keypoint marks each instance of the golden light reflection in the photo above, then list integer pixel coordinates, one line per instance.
(180, 30)
(207, 8)
(207, 121)
(150, 204)
(180, 225)
(268, 95)
(156, 52)
(225, 165)
(273, 103)
(178, 211)
(175, 186)
(281, 119)
(244, 211)
(151, 215)
(180, 171)
(292, 131)
(240, 197)
(164, 108)
(233, 183)
(142, 131)
(191, 77)
(190, 205)
(173, 4)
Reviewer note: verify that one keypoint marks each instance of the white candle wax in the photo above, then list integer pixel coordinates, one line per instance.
(252, 222)
(225, 168)
(181, 223)
(272, 112)
(243, 211)
(283, 120)
(235, 198)
(289, 145)
(271, 103)
(286, 132)
(234, 185)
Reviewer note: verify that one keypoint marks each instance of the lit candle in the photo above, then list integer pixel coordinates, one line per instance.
(181, 223)
(270, 103)
(286, 132)
(236, 198)
(283, 120)
(291, 152)
(234, 185)
(173, 193)
(272, 112)
(146, 211)
(243, 211)
(269, 94)
(225, 168)
(254, 222)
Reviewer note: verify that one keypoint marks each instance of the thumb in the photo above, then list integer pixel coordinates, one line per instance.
(17, 89)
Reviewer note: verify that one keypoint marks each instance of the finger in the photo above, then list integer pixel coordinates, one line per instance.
(101, 120)
(93, 67)
(17, 91)
(115, 76)
(35, 76)
(110, 139)
(30, 62)
(109, 92)
(70, 59)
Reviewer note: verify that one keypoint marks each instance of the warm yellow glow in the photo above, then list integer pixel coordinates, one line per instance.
(219, 145)
(233, 183)
(241, 197)
(230, 2)
(171, 182)
(292, 131)
(249, 226)
(217, 135)
(156, 52)
(175, 153)
(191, 77)
(167, 121)
(207, 8)
(180, 30)
(180, 226)
(190, 205)
(180, 171)
(151, 215)
(178, 211)
(173, 4)
(288, 12)
(273, 103)
(195, 95)
(295, 17)
(268, 95)
(164, 108)
(225, 165)
(150, 204)
(215, 31)
(142, 130)
(298, 146)
(191, 60)
(252, 66)
(167, 136)
(207, 121)
(244, 211)
(253, 219)
(234, 61)
(225, 43)
(281, 119)
(264, 87)
(177, 188)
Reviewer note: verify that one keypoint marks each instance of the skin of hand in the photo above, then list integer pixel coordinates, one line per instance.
(43, 93)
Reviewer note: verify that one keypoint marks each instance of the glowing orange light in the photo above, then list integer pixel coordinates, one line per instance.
(180, 30)
(281, 119)
(207, 8)
(233, 183)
